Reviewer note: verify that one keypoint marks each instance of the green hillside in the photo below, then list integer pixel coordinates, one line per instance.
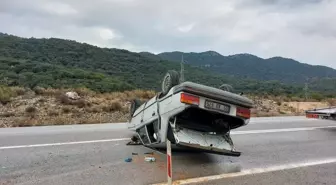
(65, 63)
(249, 66)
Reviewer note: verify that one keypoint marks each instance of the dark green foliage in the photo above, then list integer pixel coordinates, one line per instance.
(57, 63)
(249, 66)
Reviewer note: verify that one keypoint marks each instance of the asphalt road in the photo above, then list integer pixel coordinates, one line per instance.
(291, 150)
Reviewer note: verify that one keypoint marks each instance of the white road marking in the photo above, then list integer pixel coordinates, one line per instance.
(279, 130)
(278, 121)
(255, 171)
(65, 143)
(125, 139)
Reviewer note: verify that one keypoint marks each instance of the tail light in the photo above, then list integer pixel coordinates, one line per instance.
(243, 112)
(189, 99)
(312, 116)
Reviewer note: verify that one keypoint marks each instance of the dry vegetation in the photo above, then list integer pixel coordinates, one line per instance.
(24, 107)
(41, 106)
(283, 106)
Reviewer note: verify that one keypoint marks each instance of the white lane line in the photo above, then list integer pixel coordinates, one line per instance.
(125, 139)
(278, 121)
(65, 143)
(279, 130)
(254, 171)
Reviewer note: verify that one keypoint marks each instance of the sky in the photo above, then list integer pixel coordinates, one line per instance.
(304, 30)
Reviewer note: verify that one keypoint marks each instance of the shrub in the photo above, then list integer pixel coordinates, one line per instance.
(113, 106)
(47, 92)
(6, 94)
(94, 109)
(63, 99)
(82, 91)
(66, 110)
(38, 90)
(80, 103)
(19, 91)
(31, 110)
(53, 113)
(7, 114)
(42, 100)
(24, 122)
(317, 96)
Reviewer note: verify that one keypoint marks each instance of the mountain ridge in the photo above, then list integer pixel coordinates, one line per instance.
(246, 65)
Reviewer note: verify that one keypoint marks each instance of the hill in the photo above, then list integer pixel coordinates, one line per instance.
(249, 66)
(65, 63)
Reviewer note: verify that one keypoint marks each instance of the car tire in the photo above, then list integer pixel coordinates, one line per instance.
(135, 104)
(171, 79)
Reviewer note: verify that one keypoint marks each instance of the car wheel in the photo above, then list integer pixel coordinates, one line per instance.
(135, 104)
(170, 80)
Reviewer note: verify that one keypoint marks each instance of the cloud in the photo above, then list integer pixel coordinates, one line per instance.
(303, 30)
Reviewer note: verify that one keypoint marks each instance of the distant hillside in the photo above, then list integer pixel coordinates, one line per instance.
(249, 66)
(65, 63)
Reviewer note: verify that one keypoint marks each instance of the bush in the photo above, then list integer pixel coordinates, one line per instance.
(6, 94)
(79, 103)
(317, 96)
(63, 99)
(84, 91)
(31, 110)
(7, 114)
(19, 91)
(114, 106)
(66, 110)
(94, 109)
(47, 92)
(38, 90)
(53, 113)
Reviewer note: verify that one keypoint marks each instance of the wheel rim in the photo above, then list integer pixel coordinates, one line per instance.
(166, 83)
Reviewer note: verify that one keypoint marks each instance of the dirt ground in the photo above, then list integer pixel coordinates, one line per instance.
(52, 107)
(303, 106)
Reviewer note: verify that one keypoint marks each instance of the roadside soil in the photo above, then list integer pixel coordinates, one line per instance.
(53, 107)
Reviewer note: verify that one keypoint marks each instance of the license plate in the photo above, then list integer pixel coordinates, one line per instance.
(217, 106)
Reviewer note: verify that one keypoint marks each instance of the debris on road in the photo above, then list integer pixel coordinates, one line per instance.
(149, 153)
(150, 159)
(134, 153)
(128, 160)
(134, 141)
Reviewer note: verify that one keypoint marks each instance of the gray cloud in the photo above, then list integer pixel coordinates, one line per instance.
(303, 30)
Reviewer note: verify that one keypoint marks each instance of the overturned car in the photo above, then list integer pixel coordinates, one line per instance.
(191, 116)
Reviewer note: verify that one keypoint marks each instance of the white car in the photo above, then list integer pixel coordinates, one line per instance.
(191, 116)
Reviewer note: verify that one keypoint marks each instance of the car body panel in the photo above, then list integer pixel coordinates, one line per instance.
(155, 120)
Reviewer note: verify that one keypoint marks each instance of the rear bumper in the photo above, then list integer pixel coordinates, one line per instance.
(205, 142)
(210, 149)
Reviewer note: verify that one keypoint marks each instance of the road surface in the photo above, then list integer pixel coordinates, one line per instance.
(290, 150)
